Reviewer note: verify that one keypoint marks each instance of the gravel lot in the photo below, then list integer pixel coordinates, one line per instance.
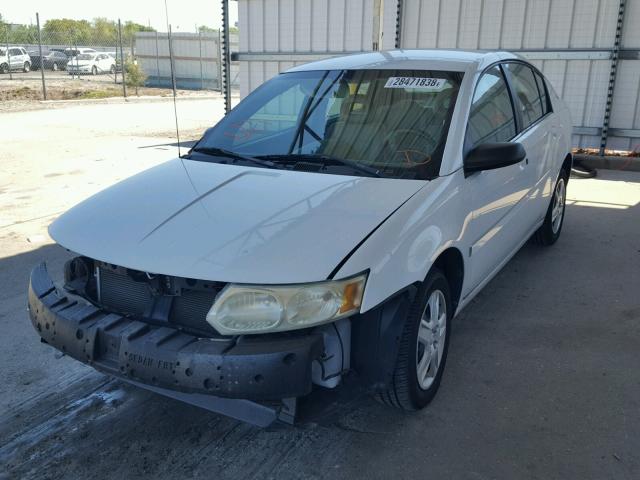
(542, 381)
(24, 90)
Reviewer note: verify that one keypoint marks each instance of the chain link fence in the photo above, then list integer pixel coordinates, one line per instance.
(71, 59)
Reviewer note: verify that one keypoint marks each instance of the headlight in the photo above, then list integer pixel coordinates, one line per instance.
(242, 309)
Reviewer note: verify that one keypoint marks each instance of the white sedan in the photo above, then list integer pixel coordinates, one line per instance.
(336, 220)
(91, 63)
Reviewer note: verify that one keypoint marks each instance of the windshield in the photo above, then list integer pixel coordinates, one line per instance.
(85, 56)
(392, 121)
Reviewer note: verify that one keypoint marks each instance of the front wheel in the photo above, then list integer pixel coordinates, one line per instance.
(549, 231)
(26, 67)
(113, 69)
(423, 347)
(54, 67)
(94, 71)
(4, 68)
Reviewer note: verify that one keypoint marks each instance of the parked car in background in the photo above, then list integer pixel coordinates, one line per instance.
(336, 220)
(91, 63)
(15, 59)
(72, 51)
(118, 60)
(51, 60)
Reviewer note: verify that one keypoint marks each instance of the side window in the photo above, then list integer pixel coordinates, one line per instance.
(526, 93)
(491, 118)
(544, 97)
(15, 52)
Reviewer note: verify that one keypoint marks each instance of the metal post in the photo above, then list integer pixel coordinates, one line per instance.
(399, 14)
(173, 72)
(8, 52)
(115, 76)
(77, 75)
(219, 60)
(226, 56)
(124, 78)
(157, 61)
(201, 71)
(44, 86)
(173, 85)
(378, 12)
(612, 78)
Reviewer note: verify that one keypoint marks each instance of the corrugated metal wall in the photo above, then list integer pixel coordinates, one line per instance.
(320, 26)
(195, 59)
(569, 40)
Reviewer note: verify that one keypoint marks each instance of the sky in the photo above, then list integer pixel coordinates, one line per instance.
(184, 15)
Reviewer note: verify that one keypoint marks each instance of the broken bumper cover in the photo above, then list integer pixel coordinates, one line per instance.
(252, 368)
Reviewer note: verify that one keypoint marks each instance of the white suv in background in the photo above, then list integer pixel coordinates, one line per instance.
(14, 58)
(93, 63)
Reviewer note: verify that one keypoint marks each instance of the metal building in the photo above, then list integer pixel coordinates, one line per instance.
(589, 49)
(196, 59)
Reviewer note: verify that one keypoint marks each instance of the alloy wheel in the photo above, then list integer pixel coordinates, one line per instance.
(557, 211)
(431, 339)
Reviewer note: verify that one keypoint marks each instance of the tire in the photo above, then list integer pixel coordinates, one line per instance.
(54, 67)
(26, 67)
(407, 391)
(94, 71)
(550, 230)
(4, 68)
(579, 171)
(112, 70)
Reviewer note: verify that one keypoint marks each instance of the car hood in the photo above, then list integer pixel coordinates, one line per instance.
(231, 223)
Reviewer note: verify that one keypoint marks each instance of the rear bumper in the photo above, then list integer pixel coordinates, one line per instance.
(256, 368)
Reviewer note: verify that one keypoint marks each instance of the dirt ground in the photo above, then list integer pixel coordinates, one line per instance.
(22, 91)
(542, 381)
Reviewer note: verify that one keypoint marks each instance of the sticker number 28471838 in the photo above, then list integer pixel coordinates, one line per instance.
(422, 83)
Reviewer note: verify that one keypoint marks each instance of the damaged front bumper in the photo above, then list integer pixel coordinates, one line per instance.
(208, 372)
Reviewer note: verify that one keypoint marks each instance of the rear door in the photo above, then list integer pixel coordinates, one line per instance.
(16, 58)
(496, 227)
(103, 63)
(536, 133)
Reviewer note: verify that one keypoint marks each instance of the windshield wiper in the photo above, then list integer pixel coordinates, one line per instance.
(324, 159)
(221, 152)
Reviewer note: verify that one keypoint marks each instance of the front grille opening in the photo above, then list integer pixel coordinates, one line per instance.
(159, 299)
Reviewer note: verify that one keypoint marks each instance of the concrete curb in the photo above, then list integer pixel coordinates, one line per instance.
(631, 164)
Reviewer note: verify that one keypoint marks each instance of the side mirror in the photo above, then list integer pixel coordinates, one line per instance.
(489, 156)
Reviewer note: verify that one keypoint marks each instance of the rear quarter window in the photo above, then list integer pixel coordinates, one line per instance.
(526, 93)
(544, 93)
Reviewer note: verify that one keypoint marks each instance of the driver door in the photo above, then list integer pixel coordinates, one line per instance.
(496, 227)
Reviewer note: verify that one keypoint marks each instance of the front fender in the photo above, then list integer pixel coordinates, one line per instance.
(404, 248)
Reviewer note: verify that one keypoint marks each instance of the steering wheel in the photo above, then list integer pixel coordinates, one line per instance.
(411, 157)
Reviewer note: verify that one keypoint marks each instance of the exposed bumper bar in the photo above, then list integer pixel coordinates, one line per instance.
(164, 359)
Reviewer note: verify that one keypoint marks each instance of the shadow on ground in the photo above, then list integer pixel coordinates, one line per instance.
(542, 381)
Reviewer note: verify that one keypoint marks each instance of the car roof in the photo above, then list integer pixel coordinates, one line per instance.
(451, 60)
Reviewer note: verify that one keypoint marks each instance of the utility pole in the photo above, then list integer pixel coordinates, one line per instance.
(44, 87)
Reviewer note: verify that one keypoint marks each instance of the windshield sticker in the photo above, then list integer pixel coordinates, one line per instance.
(418, 83)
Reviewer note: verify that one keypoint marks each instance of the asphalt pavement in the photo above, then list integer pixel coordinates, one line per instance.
(542, 380)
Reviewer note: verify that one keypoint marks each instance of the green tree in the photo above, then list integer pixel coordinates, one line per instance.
(105, 31)
(66, 31)
(135, 75)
